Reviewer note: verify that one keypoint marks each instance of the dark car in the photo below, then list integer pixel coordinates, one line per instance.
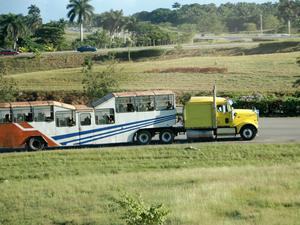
(86, 49)
(8, 52)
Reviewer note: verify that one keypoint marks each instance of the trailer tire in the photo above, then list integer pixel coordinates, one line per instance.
(166, 136)
(36, 144)
(248, 132)
(143, 137)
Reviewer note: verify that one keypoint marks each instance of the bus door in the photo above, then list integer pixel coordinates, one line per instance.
(85, 128)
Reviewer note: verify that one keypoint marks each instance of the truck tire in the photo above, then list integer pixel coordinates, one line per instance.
(36, 144)
(143, 137)
(166, 136)
(248, 132)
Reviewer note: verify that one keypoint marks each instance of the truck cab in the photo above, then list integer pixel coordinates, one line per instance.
(208, 117)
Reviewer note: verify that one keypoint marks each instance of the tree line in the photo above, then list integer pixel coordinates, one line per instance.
(229, 17)
(158, 27)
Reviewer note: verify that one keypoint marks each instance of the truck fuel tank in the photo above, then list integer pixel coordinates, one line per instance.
(198, 134)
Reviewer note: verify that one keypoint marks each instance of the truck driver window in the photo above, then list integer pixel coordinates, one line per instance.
(5, 116)
(22, 115)
(125, 104)
(85, 119)
(65, 119)
(105, 116)
(222, 108)
(43, 113)
(144, 103)
(164, 102)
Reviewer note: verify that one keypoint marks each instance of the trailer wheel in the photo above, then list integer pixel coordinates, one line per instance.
(166, 136)
(143, 137)
(36, 144)
(248, 132)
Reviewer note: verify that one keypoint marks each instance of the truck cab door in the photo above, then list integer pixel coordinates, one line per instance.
(224, 118)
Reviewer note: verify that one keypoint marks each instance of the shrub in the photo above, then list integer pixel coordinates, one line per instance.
(8, 89)
(98, 84)
(137, 213)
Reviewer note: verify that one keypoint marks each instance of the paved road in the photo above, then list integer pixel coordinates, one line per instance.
(279, 130)
(271, 130)
(185, 46)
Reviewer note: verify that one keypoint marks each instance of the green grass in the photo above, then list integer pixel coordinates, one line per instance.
(208, 184)
(246, 74)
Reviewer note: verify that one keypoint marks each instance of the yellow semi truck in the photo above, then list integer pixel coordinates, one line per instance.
(214, 116)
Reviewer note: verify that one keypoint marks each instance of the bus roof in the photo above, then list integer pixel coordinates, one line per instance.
(142, 93)
(35, 103)
(219, 100)
(130, 94)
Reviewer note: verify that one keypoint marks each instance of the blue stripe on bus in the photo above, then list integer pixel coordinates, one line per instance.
(141, 125)
(64, 136)
(123, 131)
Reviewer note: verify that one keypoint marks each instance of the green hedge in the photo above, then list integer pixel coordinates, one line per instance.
(288, 106)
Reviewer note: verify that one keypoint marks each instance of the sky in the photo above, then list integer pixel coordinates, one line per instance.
(56, 9)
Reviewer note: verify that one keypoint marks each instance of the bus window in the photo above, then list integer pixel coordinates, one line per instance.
(5, 116)
(85, 119)
(104, 116)
(125, 104)
(65, 119)
(43, 113)
(22, 115)
(164, 102)
(144, 103)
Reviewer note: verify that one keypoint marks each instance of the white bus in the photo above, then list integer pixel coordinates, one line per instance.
(116, 118)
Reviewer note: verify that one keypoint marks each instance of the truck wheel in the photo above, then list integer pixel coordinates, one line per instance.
(143, 137)
(248, 132)
(166, 137)
(36, 144)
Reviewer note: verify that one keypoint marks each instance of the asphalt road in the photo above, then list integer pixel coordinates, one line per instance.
(271, 130)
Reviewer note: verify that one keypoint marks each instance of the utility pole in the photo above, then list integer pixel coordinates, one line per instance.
(261, 24)
(289, 27)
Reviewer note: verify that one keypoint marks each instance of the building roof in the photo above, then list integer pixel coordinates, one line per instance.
(219, 100)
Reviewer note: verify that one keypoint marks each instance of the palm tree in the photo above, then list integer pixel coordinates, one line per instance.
(113, 21)
(13, 26)
(82, 10)
(33, 18)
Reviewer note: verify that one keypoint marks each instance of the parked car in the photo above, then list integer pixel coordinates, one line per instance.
(86, 49)
(8, 52)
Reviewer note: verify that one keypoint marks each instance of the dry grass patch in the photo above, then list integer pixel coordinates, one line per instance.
(189, 70)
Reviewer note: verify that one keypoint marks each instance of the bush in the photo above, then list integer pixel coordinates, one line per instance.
(272, 106)
(137, 213)
(8, 89)
(98, 84)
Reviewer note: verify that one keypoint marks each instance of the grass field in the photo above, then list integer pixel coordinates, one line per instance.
(246, 74)
(207, 184)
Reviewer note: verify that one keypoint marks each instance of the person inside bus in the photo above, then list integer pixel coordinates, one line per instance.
(150, 107)
(7, 118)
(71, 122)
(169, 105)
(111, 119)
(130, 107)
